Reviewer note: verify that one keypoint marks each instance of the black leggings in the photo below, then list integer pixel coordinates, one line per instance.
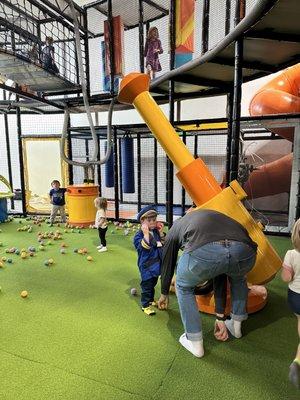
(102, 233)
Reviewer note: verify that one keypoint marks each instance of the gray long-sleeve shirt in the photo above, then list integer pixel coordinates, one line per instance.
(194, 230)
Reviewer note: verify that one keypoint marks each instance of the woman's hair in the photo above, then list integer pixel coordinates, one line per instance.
(296, 235)
(152, 30)
(49, 39)
(100, 202)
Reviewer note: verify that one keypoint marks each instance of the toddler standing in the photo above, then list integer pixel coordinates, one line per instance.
(101, 222)
(291, 274)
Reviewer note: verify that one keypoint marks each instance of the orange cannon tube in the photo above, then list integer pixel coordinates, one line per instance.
(194, 175)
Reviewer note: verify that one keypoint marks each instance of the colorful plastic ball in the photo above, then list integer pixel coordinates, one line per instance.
(89, 258)
(75, 251)
(24, 294)
(9, 260)
(1, 264)
(46, 263)
(133, 291)
(17, 252)
(51, 261)
(62, 251)
(80, 251)
(23, 254)
(7, 251)
(3, 259)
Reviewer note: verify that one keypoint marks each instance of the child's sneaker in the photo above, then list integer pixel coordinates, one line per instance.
(103, 249)
(148, 310)
(194, 347)
(294, 374)
(99, 247)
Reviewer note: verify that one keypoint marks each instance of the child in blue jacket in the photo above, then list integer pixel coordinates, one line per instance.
(148, 243)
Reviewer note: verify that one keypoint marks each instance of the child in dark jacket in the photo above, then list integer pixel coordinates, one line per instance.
(148, 242)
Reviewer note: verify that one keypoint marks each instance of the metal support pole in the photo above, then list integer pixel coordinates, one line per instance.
(205, 26)
(120, 164)
(229, 135)
(70, 154)
(237, 95)
(99, 167)
(87, 56)
(170, 167)
(141, 35)
(294, 206)
(116, 173)
(183, 189)
(10, 176)
(155, 173)
(139, 172)
(227, 16)
(21, 160)
(111, 47)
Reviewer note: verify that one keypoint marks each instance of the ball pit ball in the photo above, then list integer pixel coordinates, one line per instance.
(3, 259)
(51, 261)
(46, 263)
(75, 251)
(133, 291)
(9, 260)
(89, 258)
(23, 254)
(7, 251)
(24, 294)
(80, 251)
(62, 251)
(1, 264)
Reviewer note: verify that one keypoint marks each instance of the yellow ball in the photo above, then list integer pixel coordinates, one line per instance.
(1, 264)
(50, 261)
(89, 258)
(80, 251)
(23, 255)
(24, 294)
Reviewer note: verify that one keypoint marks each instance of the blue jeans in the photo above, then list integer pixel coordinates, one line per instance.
(235, 259)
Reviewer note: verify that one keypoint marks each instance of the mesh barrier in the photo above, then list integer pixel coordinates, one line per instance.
(155, 17)
(24, 29)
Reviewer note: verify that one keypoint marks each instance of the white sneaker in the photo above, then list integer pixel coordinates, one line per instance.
(99, 247)
(103, 249)
(234, 327)
(194, 347)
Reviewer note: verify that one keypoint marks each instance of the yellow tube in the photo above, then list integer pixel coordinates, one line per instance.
(163, 130)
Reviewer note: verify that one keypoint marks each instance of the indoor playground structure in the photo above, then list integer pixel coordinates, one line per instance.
(143, 102)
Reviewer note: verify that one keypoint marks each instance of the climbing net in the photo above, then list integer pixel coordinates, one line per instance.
(24, 27)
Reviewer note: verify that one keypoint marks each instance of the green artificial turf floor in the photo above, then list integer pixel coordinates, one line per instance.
(81, 335)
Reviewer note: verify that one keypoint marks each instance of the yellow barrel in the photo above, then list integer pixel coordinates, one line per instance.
(80, 201)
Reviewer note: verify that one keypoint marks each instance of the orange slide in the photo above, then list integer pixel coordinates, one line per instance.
(279, 96)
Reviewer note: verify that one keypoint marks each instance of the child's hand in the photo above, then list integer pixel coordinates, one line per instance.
(145, 229)
(159, 226)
